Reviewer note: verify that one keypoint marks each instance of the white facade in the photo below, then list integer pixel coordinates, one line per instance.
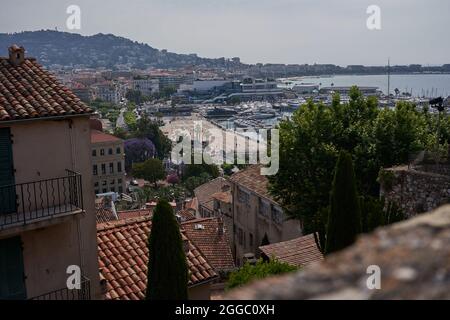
(146, 86)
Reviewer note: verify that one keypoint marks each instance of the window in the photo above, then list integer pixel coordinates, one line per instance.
(97, 191)
(102, 152)
(277, 215)
(94, 153)
(103, 168)
(243, 196)
(118, 150)
(110, 151)
(104, 190)
(112, 181)
(250, 235)
(119, 166)
(120, 189)
(264, 207)
(111, 167)
(95, 170)
(96, 184)
(104, 183)
(119, 181)
(113, 189)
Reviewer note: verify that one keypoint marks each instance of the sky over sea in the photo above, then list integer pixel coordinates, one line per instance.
(276, 31)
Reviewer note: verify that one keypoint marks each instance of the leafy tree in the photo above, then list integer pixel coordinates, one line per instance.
(195, 170)
(167, 267)
(138, 150)
(151, 170)
(376, 212)
(376, 137)
(120, 133)
(193, 182)
(147, 128)
(258, 271)
(344, 220)
(228, 169)
(173, 179)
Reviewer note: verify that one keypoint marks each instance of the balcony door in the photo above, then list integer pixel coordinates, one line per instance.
(7, 187)
(12, 282)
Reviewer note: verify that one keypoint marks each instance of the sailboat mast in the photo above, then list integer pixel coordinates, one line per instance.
(389, 78)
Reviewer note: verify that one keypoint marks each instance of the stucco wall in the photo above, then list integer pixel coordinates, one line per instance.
(247, 217)
(107, 159)
(44, 149)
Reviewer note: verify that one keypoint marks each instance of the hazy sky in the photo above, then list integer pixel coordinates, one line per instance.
(278, 31)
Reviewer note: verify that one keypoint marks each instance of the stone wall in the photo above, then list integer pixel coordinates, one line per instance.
(413, 258)
(416, 190)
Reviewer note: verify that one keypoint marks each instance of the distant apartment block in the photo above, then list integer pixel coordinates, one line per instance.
(106, 91)
(108, 163)
(146, 86)
(47, 220)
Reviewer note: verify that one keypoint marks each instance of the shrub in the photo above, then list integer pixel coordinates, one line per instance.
(260, 270)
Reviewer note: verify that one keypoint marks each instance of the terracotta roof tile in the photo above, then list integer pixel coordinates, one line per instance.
(99, 136)
(126, 214)
(27, 90)
(186, 214)
(126, 270)
(252, 179)
(204, 192)
(298, 252)
(214, 246)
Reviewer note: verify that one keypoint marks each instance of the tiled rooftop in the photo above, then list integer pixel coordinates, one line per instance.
(104, 214)
(27, 90)
(297, 252)
(214, 245)
(186, 214)
(252, 179)
(126, 214)
(99, 136)
(223, 196)
(123, 258)
(204, 192)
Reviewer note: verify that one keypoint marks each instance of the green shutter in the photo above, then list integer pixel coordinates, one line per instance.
(12, 282)
(7, 188)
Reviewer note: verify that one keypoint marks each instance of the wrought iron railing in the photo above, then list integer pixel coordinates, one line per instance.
(84, 293)
(25, 203)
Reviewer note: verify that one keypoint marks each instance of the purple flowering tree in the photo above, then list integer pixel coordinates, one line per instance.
(138, 150)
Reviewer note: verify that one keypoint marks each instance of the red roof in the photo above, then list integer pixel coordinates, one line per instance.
(252, 179)
(123, 258)
(27, 90)
(212, 243)
(99, 136)
(126, 214)
(297, 252)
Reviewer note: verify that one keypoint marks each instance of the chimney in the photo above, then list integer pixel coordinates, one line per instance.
(16, 55)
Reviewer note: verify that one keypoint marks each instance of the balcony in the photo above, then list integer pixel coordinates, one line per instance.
(84, 293)
(38, 203)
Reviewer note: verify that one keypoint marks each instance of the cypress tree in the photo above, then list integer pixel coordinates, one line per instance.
(167, 268)
(344, 220)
